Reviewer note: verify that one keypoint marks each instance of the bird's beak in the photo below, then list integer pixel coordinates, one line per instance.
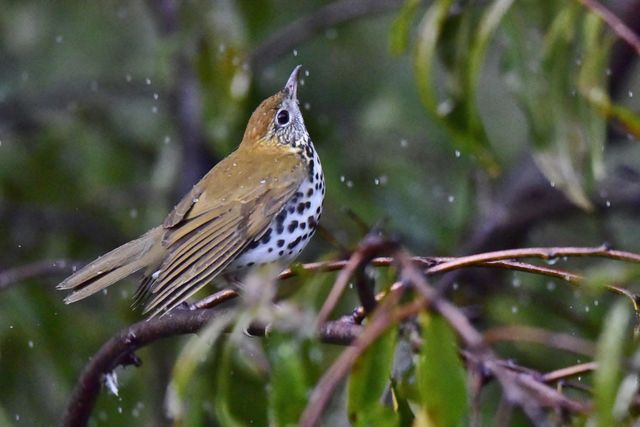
(291, 88)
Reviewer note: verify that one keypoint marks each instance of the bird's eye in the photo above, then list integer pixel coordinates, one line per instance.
(282, 118)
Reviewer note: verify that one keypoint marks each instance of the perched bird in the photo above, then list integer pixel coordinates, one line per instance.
(259, 205)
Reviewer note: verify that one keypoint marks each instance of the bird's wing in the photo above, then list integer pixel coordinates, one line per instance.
(229, 208)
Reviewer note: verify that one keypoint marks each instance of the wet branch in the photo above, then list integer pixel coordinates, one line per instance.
(120, 351)
(525, 388)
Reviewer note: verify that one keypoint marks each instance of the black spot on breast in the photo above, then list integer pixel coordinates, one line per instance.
(318, 210)
(250, 264)
(300, 208)
(310, 192)
(270, 250)
(279, 228)
(308, 150)
(266, 237)
(303, 225)
(294, 243)
(312, 166)
(304, 236)
(280, 243)
(280, 253)
(312, 222)
(291, 208)
(254, 244)
(292, 226)
(281, 216)
(307, 205)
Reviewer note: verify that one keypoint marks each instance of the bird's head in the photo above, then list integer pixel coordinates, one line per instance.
(278, 120)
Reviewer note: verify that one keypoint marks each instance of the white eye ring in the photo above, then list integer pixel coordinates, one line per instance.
(283, 117)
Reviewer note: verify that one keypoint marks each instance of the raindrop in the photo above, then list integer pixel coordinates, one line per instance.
(587, 309)
(128, 78)
(451, 198)
(167, 139)
(514, 309)
(147, 81)
(608, 203)
(306, 73)
(551, 286)
(445, 107)
(404, 143)
(376, 181)
(295, 52)
(111, 382)
(307, 106)
(457, 154)
(133, 213)
(342, 178)
(552, 260)
(59, 39)
(154, 109)
(349, 184)
(30, 344)
(155, 96)
(630, 94)
(596, 303)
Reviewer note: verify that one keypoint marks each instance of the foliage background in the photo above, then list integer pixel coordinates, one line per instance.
(460, 127)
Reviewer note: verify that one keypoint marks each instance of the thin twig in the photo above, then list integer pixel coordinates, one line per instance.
(561, 374)
(540, 336)
(36, 269)
(615, 23)
(326, 17)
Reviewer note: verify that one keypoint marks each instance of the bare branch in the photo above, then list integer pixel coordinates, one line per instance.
(615, 23)
(120, 351)
(301, 30)
(35, 270)
(540, 336)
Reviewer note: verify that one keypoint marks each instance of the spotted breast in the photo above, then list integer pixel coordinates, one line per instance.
(292, 228)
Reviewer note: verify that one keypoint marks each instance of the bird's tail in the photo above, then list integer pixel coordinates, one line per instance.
(114, 266)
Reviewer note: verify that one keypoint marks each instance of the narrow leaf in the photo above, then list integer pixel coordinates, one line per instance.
(369, 379)
(609, 357)
(441, 377)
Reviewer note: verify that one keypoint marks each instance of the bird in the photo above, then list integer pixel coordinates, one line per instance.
(259, 205)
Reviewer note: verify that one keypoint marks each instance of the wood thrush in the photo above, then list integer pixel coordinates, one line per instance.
(259, 205)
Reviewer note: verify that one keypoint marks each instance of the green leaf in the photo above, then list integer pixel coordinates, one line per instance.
(192, 355)
(369, 380)
(289, 380)
(609, 357)
(441, 377)
(456, 109)
(401, 26)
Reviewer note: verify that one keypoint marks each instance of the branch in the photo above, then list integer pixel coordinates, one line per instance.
(10, 277)
(615, 23)
(120, 351)
(339, 12)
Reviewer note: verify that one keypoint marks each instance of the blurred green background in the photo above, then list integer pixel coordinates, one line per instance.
(460, 127)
